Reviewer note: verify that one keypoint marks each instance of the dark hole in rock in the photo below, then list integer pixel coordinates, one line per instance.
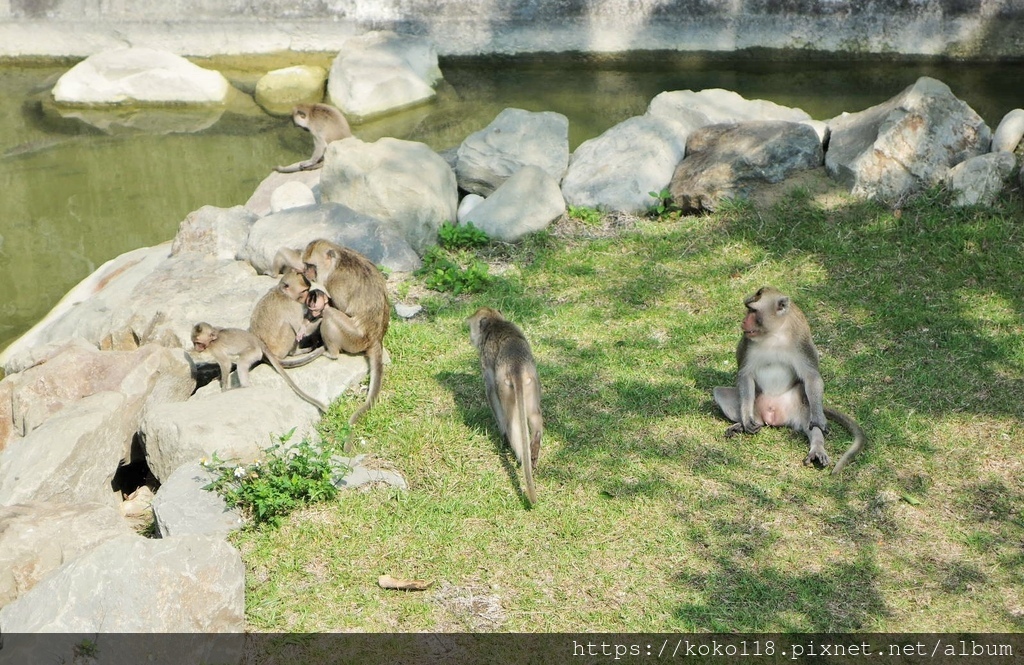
(134, 473)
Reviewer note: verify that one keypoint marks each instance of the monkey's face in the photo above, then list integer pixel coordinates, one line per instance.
(202, 336)
(316, 301)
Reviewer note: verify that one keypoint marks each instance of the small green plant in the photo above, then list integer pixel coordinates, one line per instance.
(464, 236)
(588, 216)
(662, 202)
(457, 273)
(86, 649)
(289, 478)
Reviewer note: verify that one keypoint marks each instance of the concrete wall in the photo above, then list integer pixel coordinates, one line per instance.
(986, 29)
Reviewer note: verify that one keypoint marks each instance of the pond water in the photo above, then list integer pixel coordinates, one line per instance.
(73, 196)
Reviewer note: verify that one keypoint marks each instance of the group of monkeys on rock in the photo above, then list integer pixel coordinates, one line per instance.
(778, 382)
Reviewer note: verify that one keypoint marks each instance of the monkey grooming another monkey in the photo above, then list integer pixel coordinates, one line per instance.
(357, 318)
(244, 349)
(778, 382)
(279, 319)
(326, 124)
(512, 386)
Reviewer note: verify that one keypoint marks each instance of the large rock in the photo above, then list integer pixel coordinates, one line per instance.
(979, 180)
(714, 106)
(278, 91)
(262, 200)
(73, 455)
(132, 584)
(237, 424)
(37, 537)
(382, 72)
(294, 228)
(85, 312)
(728, 160)
(403, 183)
(898, 148)
(78, 370)
(527, 202)
(618, 169)
(216, 232)
(183, 508)
(140, 75)
(514, 139)
(1009, 132)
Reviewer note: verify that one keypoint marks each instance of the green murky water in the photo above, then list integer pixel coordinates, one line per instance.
(73, 195)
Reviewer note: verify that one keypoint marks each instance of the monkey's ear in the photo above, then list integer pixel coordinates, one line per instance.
(331, 254)
(782, 305)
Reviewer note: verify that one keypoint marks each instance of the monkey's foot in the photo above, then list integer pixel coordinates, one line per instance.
(817, 458)
(733, 430)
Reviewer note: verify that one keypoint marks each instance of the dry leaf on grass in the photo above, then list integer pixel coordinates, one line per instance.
(388, 582)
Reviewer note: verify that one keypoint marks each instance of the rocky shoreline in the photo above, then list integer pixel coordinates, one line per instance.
(104, 381)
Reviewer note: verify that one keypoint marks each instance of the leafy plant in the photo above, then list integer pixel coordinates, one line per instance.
(464, 236)
(662, 201)
(588, 216)
(457, 273)
(289, 478)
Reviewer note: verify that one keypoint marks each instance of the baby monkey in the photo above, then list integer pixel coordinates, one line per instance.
(512, 386)
(326, 124)
(778, 382)
(244, 349)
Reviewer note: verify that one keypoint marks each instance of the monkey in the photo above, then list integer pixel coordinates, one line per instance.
(326, 124)
(316, 301)
(245, 349)
(512, 386)
(279, 319)
(778, 382)
(359, 312)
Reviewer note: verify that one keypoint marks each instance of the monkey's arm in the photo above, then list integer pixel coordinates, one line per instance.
(814, 388)
(287, 257)
(747, 389)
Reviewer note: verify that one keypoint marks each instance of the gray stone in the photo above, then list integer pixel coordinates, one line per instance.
(216, 232)
(525, 203)
(86, 311)
(182, 507)
(898, 148)
(292, 194)
(38, 537)
(296, 227)
(403, 183)
(716, 106)
(134, 584)
(728, 160)
(73, 454)
(278, 91)
(261, 201)
(407, 311)
(979, 180)
(140, 75)
(514, 139)
(235, 425)
(1009, 132)
(382, 72)
(359, 475)
(468, 202)
(618, 169)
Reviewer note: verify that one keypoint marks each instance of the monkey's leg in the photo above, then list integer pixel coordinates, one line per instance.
(728, 400)
(225, 373)
(246, 360)
(340, 333)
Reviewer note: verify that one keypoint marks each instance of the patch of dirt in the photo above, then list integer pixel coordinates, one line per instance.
(819, 186)
(468, 608)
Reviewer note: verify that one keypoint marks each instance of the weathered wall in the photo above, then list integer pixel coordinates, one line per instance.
(989, 29)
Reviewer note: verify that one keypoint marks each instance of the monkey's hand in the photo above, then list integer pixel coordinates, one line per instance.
(733, 430)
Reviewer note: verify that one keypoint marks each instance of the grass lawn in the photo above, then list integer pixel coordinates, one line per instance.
(649, 519)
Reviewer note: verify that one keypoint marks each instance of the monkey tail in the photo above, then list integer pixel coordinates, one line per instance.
(292, 362)
(375, 355)
(858, 437)
(276, 364)
(526, 442)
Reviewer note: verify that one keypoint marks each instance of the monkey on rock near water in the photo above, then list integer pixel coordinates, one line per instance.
(511, 385)
(326, 124)
(778, 382)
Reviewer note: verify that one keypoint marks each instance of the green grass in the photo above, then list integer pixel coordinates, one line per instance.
(648, 519)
